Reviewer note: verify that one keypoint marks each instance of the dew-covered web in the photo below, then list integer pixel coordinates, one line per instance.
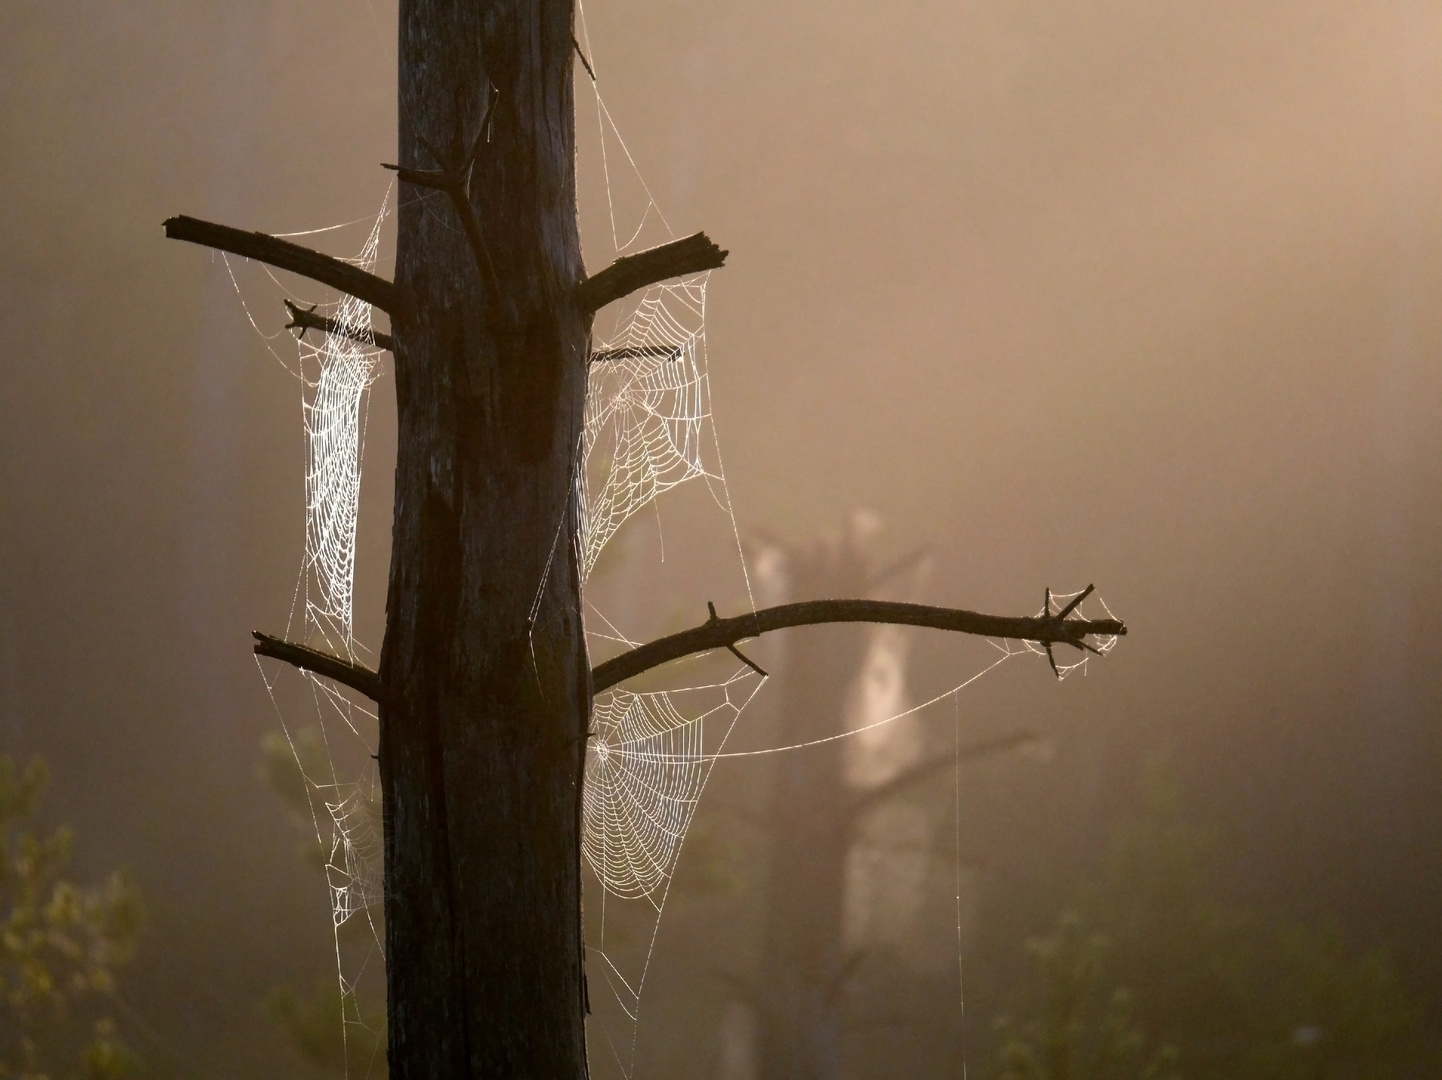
(646, 410)
(345, 366)
(336, 373)
(649, 432)
(644, 774)
(330, 733)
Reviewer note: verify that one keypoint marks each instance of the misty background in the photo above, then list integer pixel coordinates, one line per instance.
(1138, 293)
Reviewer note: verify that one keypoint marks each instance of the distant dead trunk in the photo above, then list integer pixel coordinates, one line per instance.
(803, 963)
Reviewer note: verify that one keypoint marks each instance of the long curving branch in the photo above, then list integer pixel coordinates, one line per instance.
(717, 633)
(328, 270)
(346, 672)
(689, 255)
(1055, 629)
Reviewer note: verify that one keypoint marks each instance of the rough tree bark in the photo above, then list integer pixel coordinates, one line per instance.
(484, 685)
(481, 747)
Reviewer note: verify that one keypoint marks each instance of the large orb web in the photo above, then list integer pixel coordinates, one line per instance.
(645, 767)
(647, 406)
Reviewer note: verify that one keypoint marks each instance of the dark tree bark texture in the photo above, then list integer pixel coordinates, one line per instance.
(483, 735)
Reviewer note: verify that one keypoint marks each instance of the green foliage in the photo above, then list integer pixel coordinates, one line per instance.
(1336, 1016)
(1237, 997)
(1076, 1038)
(1188, 955)
(106, 1057)
(59, 943)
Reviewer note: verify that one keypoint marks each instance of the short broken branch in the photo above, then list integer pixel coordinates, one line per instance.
(634, 352)
(722, 633)
(346, 672)
(690, 255)
(304, 319)
(584, 62)
(282, 254)
(454, 178)
(454, 185)
(435, 179)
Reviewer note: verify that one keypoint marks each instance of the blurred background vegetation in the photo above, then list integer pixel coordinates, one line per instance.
(61, 945)
(1138, 293)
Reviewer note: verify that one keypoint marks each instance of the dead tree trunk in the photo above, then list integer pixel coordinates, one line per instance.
(484, 685)
(482, 746)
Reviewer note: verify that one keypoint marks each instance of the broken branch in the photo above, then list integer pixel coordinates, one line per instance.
(453, 183)
(584, 62)
(282, 254)
(454, 178)
(721, 633)
(690, 255)
(346, 672)
(634, 352)
(304, 319)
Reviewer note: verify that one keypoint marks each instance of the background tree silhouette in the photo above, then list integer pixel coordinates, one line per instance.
(816, 816)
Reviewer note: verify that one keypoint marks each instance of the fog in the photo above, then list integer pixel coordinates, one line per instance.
(1134, 293)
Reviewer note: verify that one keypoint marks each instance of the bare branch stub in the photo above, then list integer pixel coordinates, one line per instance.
(752, 664)
(634, 352)
(718, 633)
(690, 255)
(346, 672)
(584, 62)
(304, 319)
(282, 254)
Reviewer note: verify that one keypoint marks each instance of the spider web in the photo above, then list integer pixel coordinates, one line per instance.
(332, 407)
(647, 403)
(331, 736)
(644, 774)
(336, 374)
(648, 431)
